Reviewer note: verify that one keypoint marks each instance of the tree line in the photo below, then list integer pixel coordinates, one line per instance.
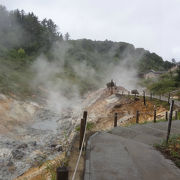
(24, 34)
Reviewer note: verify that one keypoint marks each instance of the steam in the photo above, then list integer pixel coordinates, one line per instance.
(10, 31)
(62, 86)
(124, 73)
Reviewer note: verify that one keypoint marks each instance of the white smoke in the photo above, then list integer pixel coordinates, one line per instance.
(65, 92)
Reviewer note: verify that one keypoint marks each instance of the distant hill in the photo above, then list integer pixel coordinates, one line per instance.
(83, 63)
(112, 52)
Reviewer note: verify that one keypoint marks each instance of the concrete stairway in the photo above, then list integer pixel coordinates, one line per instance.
(127, 153)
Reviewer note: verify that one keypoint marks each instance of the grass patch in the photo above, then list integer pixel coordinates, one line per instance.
(90, 126)
(159, 103)
(171, 150)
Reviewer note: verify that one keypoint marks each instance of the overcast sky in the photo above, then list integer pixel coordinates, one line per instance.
(151, 24)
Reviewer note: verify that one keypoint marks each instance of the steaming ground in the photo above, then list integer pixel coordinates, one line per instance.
(30, 134)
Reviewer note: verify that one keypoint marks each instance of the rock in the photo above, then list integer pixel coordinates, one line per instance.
(22, 146)
(118, 106)
(3, 97)
(10, 163)
(58, 148)
(5, 152)
(17, 154)
(33, 143)
(53, 145)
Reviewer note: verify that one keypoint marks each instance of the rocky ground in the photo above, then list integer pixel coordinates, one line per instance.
(29, 135)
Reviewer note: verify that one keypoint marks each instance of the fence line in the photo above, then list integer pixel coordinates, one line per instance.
(63, 173)
(140, 113)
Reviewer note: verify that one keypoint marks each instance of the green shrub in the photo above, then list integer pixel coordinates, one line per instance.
(21, 53)
(90, 126)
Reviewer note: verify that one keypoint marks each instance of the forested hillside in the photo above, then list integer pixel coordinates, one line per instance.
(84, 63)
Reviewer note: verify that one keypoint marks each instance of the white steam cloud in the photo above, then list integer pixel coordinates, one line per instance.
(64, 91)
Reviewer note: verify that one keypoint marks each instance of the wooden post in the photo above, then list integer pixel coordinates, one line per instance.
(85, 116)
(154, 115)
(169, 98)
(160, 97)
(151, 96)
(61, 173)
(137, 117)
(144, 98)
(115, 119)
(82, 128)
(176, 115)
(166, 115)
(169, 121)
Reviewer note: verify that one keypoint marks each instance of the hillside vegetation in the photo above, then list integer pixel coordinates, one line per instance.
(84, 63)
(168, 82)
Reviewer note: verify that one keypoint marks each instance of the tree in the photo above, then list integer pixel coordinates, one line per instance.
(66, 36)
(173, 61)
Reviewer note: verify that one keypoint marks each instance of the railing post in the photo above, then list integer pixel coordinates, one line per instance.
(61, 173)
(160, 97)
(154, 115)
(137, 117)
(166, 115)
(85, 116)
(115, 119)
(144, 98)
(169, 121)
(151, 96)
(82, 128)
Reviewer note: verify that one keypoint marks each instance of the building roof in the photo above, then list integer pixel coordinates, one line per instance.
(155, 72)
